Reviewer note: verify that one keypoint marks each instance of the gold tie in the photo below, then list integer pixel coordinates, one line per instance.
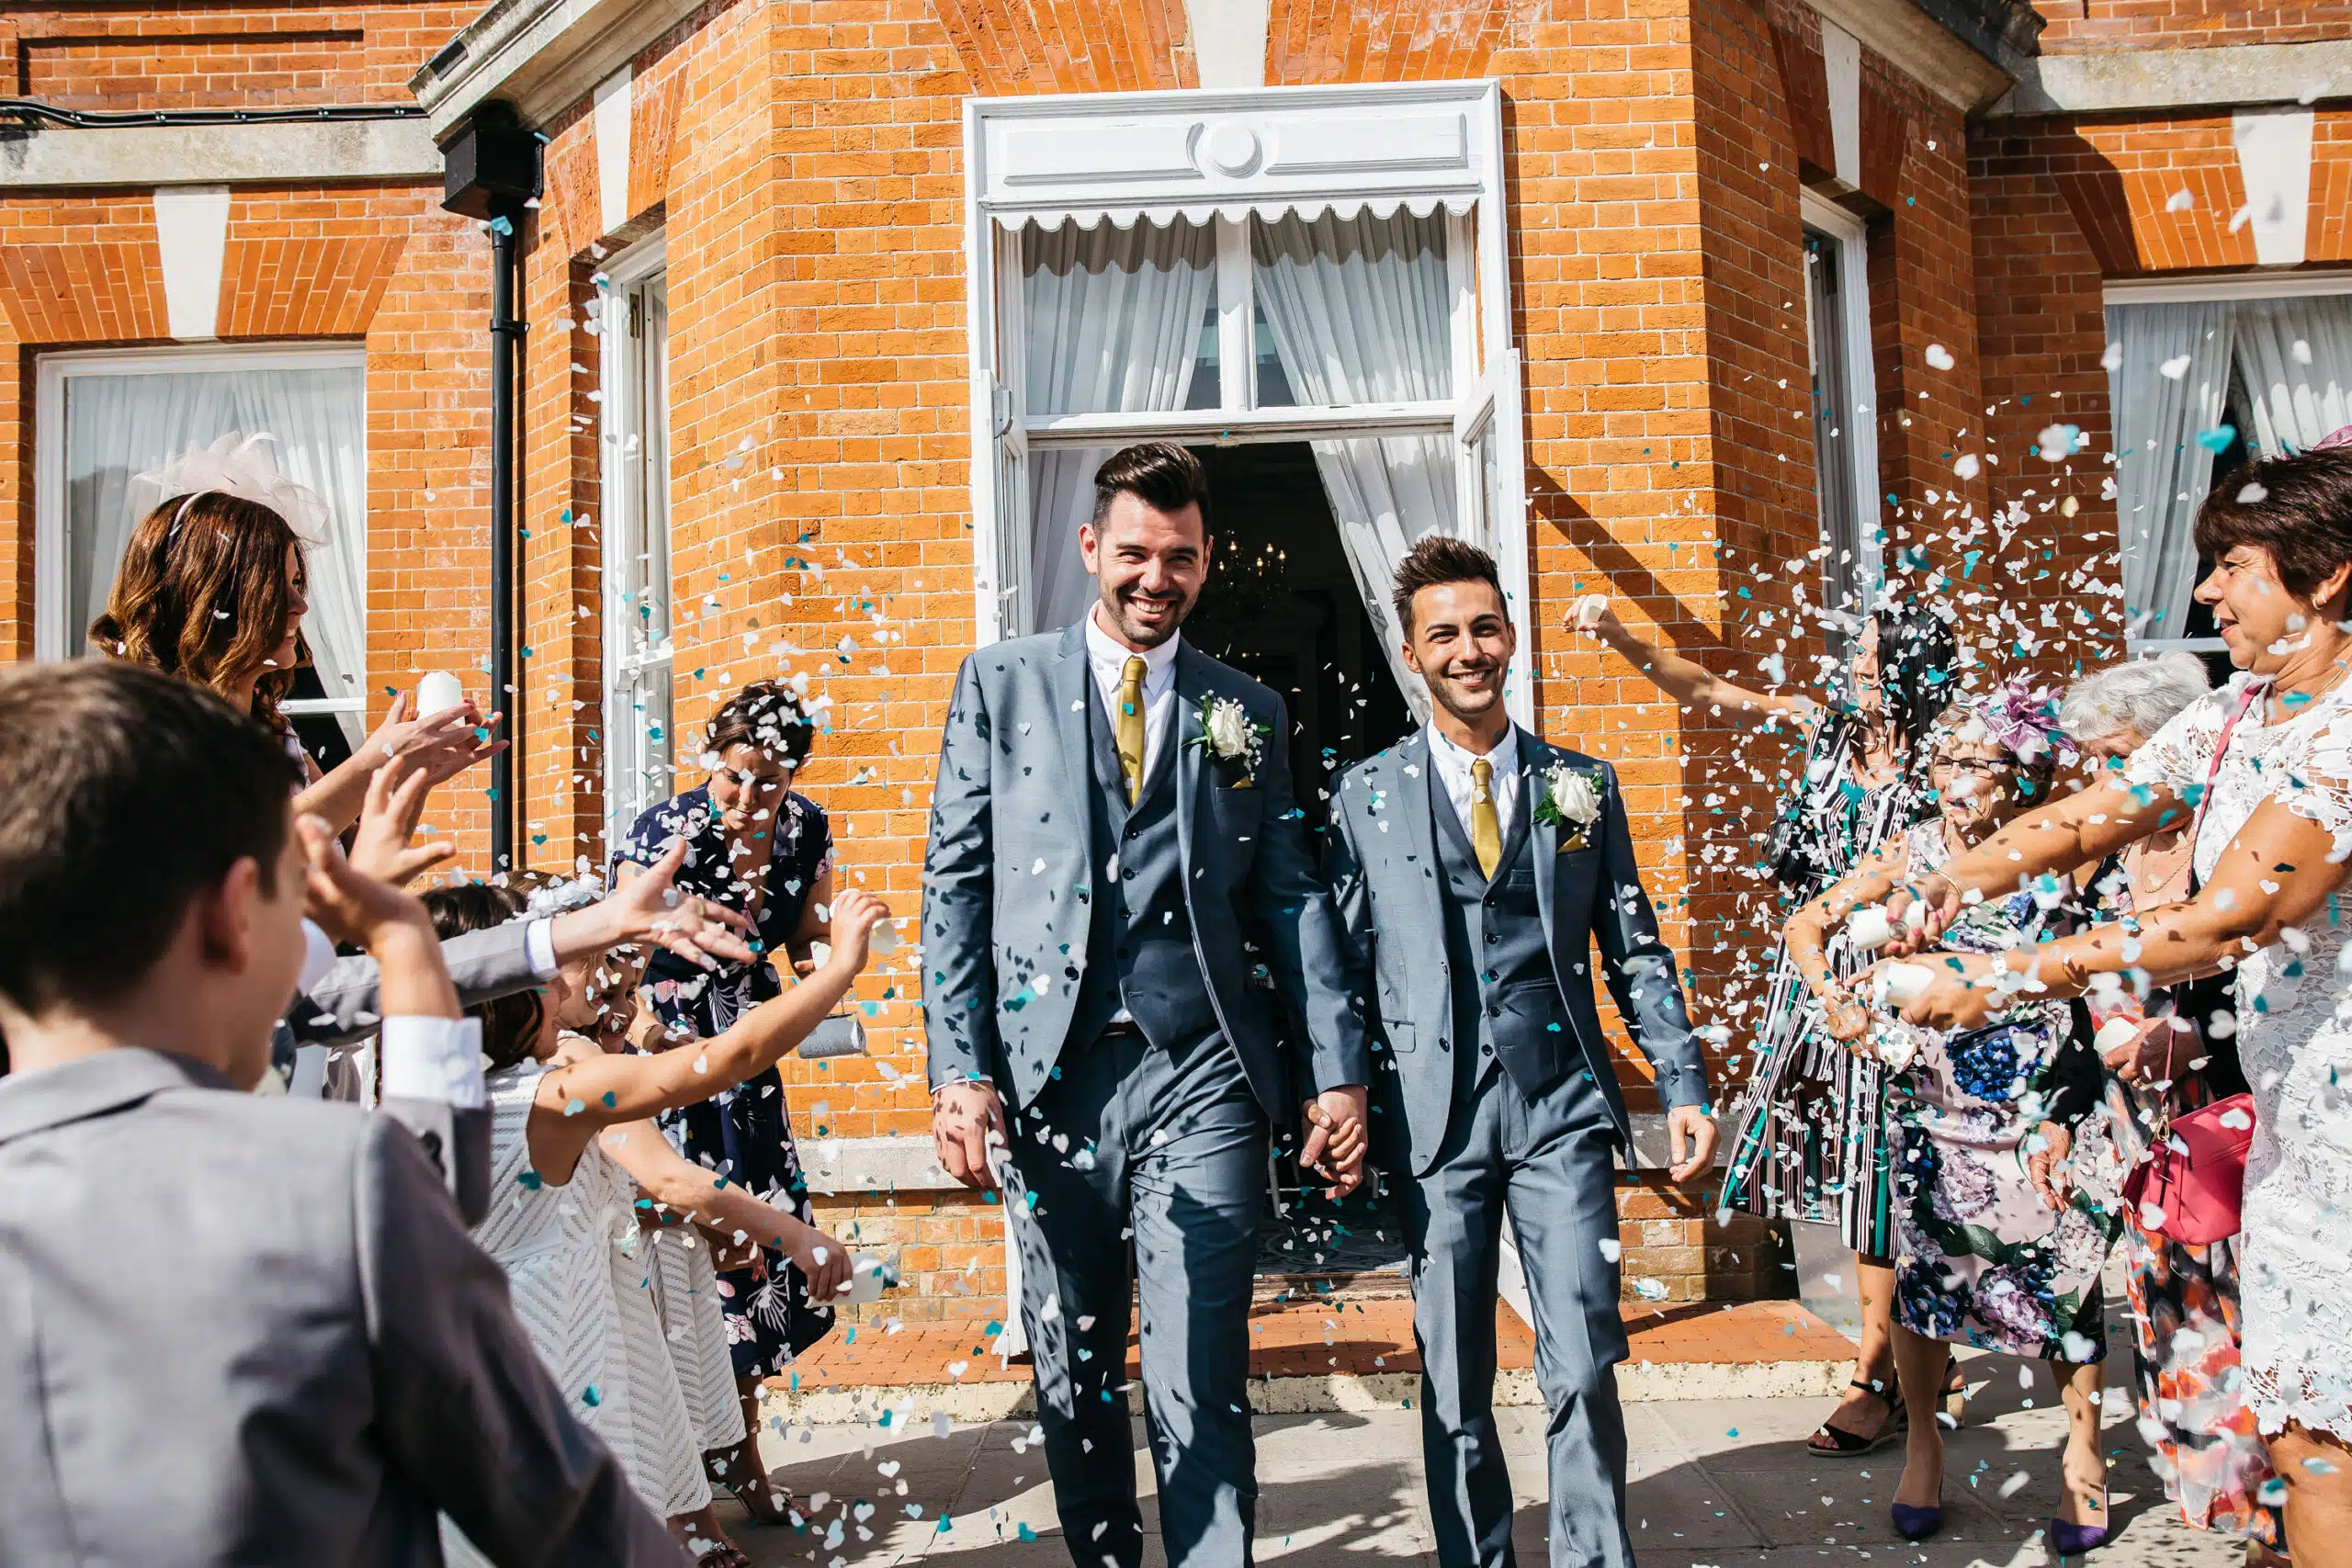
(1486, 828)
(1126, 728)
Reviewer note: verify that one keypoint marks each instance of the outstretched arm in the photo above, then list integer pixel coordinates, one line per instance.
(1688, 683)
(2071, 832)
(675, 1182)
(1807, 935)
(2278, 875)
(605, 1091)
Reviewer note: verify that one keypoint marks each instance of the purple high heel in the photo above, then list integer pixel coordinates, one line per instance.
(2072, 1540)
(1917, 1523)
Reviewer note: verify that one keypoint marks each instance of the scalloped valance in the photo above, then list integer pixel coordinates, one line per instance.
(1129, 157)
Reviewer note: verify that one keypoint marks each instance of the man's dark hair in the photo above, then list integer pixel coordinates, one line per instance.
(125, 794)
(1442, 558)
(1161, 474)
(2297, 508)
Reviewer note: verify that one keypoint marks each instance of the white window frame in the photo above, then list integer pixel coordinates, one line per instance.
(51, 634)
(620, 368)
(2193, 288)
(1226, 157)
(1859, 424)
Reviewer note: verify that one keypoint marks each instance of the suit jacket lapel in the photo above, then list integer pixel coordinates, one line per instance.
(1073, 686)
(1413, 792)
(1535, 759)
(1184, 730)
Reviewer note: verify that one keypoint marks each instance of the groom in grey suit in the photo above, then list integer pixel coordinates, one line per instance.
(1118, 900)
(1478, 869)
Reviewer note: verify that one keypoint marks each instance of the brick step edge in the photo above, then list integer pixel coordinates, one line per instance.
(1637, 1382)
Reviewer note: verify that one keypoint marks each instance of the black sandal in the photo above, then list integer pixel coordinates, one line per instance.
(1836, 1442)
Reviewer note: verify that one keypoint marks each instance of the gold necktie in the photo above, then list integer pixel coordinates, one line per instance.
(1486, 827)
(1126, 728)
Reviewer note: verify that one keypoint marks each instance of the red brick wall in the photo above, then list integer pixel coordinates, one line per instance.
(803, 162)
(2077, 27)
(98, 55)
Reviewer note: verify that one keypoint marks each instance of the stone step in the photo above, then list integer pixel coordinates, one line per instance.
(1319, 1355)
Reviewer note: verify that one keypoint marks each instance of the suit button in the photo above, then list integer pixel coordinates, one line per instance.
(1126, 873)
(1134, 832)
(1494, 1009)
(1493, 936)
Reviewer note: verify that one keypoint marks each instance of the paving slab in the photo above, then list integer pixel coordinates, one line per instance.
(1714, 1483)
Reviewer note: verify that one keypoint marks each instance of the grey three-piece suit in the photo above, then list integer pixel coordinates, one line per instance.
(1055, 913)
(248, 1330)
(1481, 989)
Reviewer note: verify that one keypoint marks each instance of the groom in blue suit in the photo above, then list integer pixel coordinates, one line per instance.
(1479, 871)
(1118, 900)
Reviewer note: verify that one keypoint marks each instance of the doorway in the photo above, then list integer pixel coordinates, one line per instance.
(1281, 605)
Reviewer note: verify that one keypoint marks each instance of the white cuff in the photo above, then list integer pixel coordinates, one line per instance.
(433, 1058)
(538, 946)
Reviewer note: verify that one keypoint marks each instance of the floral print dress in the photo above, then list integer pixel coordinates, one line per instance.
(2185, 1319)
(1980, 1259)
(744, 1132)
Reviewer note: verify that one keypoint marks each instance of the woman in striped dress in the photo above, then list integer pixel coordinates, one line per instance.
(1808, 1139)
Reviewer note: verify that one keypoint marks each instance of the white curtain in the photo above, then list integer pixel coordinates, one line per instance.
(1360, 311)
(2162, 470)
(120, 425)
(2295, 360)
(1115, 319)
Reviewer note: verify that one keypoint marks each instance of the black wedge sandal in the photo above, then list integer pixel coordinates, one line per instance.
(1836, 1442)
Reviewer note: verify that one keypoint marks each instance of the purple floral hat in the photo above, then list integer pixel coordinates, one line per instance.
(2023, 718)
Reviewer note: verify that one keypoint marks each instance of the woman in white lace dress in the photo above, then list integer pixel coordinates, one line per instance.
(562, 1219)
(2263, 771)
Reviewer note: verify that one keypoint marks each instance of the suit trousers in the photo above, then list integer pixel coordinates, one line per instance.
(1546, 1162)
(1167, 1149)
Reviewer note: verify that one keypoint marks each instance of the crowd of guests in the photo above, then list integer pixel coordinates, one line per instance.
(2118, 904)
(2112, 908)
(629, 1168)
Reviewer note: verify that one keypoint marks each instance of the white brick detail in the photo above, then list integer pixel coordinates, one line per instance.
(192, 231)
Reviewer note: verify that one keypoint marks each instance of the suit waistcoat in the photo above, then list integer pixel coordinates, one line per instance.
(1506, 1001)
(1139, 952)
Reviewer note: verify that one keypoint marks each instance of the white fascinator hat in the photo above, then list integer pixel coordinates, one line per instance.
(238, 465)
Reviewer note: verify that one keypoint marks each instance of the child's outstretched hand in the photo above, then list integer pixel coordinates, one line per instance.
(855, 917)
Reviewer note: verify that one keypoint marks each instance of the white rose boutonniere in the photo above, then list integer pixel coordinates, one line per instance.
(1571, 800)
(1229, 735)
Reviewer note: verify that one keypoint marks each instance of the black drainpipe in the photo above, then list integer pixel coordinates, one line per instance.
(491, 172)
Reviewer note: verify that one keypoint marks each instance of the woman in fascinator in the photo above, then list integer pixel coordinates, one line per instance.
(212, 588)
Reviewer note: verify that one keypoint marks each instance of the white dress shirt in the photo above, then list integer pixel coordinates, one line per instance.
(1108, 658)
(1452, 764)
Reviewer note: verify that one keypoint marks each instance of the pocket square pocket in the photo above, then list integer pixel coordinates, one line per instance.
(1575, 843)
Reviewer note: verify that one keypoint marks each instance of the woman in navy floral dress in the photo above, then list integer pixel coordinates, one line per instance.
(1995, 1246)
(758, 848)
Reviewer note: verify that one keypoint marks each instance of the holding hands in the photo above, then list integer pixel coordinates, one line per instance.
(1335, 1138)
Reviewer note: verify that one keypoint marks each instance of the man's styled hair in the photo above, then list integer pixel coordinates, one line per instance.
(1161, 474)
(1441, 558)
(125, 794)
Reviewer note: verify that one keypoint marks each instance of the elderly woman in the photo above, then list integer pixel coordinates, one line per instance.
(2184, 1298)
(2262, 772)
(1988, 1252)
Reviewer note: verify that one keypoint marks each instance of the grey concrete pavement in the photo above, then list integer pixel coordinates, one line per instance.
(1716, 1483)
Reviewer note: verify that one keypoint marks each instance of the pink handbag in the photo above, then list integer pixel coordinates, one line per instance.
(2193, 1182)
(2191, 1187)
